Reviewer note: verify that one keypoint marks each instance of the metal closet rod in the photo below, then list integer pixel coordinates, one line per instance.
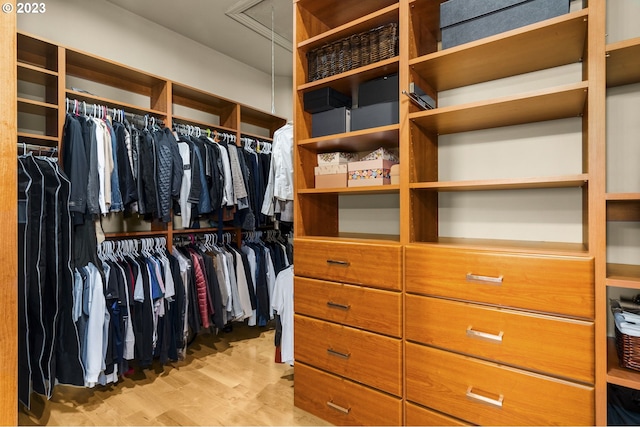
(77, 106)
(179, 125)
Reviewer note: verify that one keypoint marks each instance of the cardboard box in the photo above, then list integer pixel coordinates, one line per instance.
(338, 157)
(463, 21)
(331, 122)
(330, 169)
(336, 180)
(395, 174)
(369, 172)
(371, 116)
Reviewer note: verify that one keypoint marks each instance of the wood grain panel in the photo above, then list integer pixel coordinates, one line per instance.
(550, 284)
(371, 264)
(365, 357)
(416, 415)
(361, 307)
(562, 347)
(485, 393)
(343, 402)
(8, 219)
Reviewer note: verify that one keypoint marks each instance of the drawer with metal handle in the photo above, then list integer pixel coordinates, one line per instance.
(365, 357)
(343, 402)
(486, 393)
(375, 310)
(377, 264)
(545, 283)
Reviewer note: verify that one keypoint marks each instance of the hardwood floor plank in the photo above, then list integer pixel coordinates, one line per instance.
(229, 379)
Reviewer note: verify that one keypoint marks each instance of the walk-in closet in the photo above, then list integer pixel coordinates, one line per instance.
(320, 212)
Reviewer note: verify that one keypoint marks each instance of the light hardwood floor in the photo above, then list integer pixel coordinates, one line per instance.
(229, 379)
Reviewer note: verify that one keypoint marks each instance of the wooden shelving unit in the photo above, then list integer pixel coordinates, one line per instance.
(436, 264)
(49, 65)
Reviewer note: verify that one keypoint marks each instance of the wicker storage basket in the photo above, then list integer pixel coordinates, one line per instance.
(352, 52)
(627, 346)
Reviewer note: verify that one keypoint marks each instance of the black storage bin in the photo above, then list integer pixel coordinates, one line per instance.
(337, 120)
(463, 21)
(371, 116)
(377, 91)
(325, 99)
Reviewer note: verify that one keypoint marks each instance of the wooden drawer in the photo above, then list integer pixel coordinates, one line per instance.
(420, 416)
(554, 284)
(372, 309)
(486, 393)
(371, 264)
(362, 356)
(343, 402)
(554, 345)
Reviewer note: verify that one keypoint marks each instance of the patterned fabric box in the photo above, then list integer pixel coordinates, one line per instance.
(381, 154)
(371, 172)
(336, 158)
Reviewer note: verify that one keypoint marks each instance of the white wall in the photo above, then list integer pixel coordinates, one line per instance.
(105, 30)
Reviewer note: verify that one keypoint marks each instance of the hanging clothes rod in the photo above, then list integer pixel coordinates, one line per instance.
(197, 130)
(119, 114)
(39, 148)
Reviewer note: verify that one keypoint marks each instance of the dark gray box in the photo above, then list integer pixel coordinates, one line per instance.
(463, 21)
(376, 91)
(325, 99)
(371, 116)
(330, 122)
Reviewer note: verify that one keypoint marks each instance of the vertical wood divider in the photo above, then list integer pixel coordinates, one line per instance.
(9, 219)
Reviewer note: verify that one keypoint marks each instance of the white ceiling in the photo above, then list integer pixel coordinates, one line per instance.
(222, 26)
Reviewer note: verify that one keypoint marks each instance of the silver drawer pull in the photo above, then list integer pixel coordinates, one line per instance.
(332, 352)
(484, 399)
(330, 404)
(484, 279)
(338, 263)
(483, 335)
(340, 306)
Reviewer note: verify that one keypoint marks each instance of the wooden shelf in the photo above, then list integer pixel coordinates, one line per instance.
(616, 374)
(623, 276)
(555, 103)
(377, 189)
(521, 246)
(34, 74)
(551, 43)
(505, 184)
(35, 139)
(355, 238)
(261, 119)
(37, 52)
(35, 107)
(202, 125)
(362, 140)
(348, 82)
(327, 15)
(623, 206)
(261, 137)
(623, 62)
(380, 17)
(100, 70)
(111, 103)
(136, 234)
(201, 100)
(182, 231)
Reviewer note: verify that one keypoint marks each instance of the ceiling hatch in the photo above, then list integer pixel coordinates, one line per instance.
(261, 15)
